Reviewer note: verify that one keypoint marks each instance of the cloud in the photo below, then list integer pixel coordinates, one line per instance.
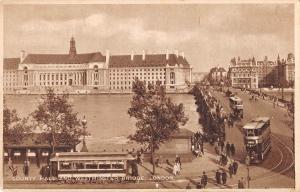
(105, 26)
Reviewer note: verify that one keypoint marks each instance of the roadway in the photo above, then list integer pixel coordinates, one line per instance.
(277, 170)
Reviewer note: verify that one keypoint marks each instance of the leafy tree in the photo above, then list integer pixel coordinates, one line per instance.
(14, 127)
(157, 116)
(55, 116)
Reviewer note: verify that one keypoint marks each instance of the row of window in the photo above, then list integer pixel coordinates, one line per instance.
(127, 74)
(136, 70)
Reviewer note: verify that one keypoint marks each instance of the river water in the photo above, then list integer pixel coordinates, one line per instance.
(107, 117)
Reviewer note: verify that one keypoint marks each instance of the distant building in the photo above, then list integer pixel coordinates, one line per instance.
(243, 73)
(217, 75)
(267, 73)
(290, 70)
(263, 73)
(75, 72)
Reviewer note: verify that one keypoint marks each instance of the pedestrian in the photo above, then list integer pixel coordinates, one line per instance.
(222, 145)
(224, 177)
(175, 169)
(217, 150)
(274, 104)
(232, 149)
(240, 185)
(26, 168)
(235, 166)
(227, 149)
(230, 170)
(177, 160)
(218, 177)
(204, 180)
(202, 149)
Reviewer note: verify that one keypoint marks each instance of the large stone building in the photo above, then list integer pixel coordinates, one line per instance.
(243, 73)
(255, 74)
(84, 73)
(267, 73)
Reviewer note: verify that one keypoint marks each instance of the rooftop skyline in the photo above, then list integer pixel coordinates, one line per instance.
(209, 35)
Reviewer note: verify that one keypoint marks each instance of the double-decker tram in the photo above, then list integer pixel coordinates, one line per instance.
(236, 104)
(91, 164)
(257, 138)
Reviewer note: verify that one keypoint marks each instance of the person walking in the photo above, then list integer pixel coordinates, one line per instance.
(230, 170)
(235, 166)
(218, 177)
(224, 177)
(26, 168)
(232, 149)
(204, 180)
(222, 145)
(227, 149)
(240, 185)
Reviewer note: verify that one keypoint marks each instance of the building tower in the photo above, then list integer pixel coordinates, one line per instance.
(72, 51)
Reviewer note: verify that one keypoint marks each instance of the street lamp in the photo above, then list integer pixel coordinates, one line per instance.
(84, 122)
(247, 160)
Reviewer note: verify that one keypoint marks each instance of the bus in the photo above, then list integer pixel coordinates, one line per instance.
(91, 164)
(236, 104)
(257, 138)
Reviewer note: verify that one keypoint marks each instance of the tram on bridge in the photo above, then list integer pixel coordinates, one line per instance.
(236, 104)
(257, 138)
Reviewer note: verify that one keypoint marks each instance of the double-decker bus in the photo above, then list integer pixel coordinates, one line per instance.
(257, 138)
(91, 164)
(236, 104)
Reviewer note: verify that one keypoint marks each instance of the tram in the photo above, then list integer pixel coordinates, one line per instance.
(236, 104)
(257, 138)
(91, 164)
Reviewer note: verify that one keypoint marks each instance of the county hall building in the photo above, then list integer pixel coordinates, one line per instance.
(93, 72)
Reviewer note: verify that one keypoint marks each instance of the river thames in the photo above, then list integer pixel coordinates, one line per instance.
(108, 121)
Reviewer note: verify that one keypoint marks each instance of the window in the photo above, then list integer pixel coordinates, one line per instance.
(104, 166)
(65, 165)
(78, 165)
(91, 166)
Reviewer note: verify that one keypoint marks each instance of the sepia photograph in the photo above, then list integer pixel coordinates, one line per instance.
(149, 95)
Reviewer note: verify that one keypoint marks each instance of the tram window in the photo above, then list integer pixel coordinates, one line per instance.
(79, 166)
(65, 165)
(91, 166)
(250, 132)
(117, 165)
(104, 166)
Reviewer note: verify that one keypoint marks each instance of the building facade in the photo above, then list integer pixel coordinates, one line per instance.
(243, 73)
(267, 73)
(255, 74)
(83, 73)
(217, 75)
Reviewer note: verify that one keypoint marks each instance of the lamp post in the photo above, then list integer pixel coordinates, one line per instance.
(247, 160)
(84, 122)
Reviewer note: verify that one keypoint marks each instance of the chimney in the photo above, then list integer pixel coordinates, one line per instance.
(22, 56)
(144, 55)
(167, 55)
(132, 56)
(107, 57)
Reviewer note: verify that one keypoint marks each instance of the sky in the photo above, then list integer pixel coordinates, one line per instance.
(208, 34)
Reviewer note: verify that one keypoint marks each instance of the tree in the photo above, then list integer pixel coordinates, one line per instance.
(56, 118)
(14, 127)
(157, 116)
